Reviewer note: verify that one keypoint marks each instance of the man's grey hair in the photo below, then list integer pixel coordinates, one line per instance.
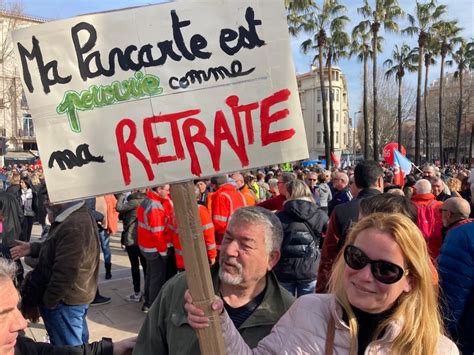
(259, 215)
(287, 177)
(7, 269)
(423, 186)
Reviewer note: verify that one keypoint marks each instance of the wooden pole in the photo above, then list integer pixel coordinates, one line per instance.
(198, 274)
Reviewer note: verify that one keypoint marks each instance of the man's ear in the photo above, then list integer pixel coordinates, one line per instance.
(380, 183)
(273, 259)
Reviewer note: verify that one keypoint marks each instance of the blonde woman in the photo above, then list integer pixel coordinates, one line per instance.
(382, 301)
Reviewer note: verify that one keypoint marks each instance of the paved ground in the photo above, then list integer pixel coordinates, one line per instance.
(118, 319)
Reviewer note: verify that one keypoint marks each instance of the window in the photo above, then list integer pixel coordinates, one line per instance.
(337, 95)
(337, 137)
(318, 137)
(345, 138)
(319, 117)
(28, 130)
(337, 116)
(318, 94)
(332, 95)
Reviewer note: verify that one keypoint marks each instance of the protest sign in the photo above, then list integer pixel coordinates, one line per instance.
(160, 94)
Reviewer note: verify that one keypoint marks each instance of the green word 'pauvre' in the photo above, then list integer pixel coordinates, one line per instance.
(136, 87)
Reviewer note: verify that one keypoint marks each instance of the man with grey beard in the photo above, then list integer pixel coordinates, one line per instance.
(243, 278)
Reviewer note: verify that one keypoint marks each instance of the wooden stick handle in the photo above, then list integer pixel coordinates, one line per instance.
(198, 274)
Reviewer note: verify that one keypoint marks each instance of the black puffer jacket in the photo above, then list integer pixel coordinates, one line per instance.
(300, 250)
(129, 212)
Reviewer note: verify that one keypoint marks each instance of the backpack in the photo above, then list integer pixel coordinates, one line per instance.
(426, 219)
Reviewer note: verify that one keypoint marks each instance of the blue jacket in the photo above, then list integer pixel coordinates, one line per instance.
(456, 272)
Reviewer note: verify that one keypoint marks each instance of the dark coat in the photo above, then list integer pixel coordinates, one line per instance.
(26, 346)
(69, 259)
(300, 250)
(456, 274)
(12, 217)
(128, 210)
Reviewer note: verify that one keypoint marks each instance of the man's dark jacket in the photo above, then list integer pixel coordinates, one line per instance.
(166, 329)
(12, 216)
(340, 222)
(26, 346)
(69, 260)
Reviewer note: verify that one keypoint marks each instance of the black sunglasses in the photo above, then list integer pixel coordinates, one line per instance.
(383, 271)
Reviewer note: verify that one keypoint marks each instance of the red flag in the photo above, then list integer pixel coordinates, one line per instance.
(334, 160)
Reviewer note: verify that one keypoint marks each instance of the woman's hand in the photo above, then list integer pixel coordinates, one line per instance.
(20, 250)
(196, 317)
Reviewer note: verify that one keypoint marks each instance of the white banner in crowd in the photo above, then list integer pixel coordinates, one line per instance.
(160, 94)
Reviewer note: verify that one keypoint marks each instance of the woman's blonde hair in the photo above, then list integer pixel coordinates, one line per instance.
(299, 190)
(454, 184)
(418, 308)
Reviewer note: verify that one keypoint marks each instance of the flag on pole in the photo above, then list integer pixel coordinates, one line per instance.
(334, 160)
(402, 167)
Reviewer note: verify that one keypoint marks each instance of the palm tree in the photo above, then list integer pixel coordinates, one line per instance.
(404, 58)
(446, 32)
(464, 59)
(335, 49)
(319, 22)
(296, 12)
(360, 47)
(385, 13)
(426, 16)
(431, 50)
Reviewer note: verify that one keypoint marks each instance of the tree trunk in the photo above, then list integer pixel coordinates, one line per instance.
(470, 146)
(440, 108)
(374, 78)
(400, 114)
(327, 151)
(425, 105)
(365, 109)
(331, 106)
(418, 107)
(459, 119)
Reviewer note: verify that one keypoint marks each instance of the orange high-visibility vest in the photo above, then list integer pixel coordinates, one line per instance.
(208, 234)
(224, 202)
(155, 227)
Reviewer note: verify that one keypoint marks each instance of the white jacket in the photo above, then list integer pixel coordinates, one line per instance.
(303, 329)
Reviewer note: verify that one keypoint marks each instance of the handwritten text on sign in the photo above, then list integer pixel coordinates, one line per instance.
(161, 94)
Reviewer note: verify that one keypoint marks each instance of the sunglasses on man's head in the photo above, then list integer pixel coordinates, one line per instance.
(383, 271)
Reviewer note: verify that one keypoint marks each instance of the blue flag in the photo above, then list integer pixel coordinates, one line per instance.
(402, 162)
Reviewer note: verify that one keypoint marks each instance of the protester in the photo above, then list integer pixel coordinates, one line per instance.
(429, 216)
(12, 323)
(341, 191)
(456, 271)
(276, 203)
(64, 282)
(455, 212)
(312, 182)
(29, 204)
(381, 301)
(368, 177)
(429, 171)
(252, 296)
(128, 209)
(224, 202)
(155, 230)
(109, 225)
(303, 224)
(324, 191)
(439, 189)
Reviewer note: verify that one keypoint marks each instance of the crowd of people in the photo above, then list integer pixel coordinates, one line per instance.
(303, 260)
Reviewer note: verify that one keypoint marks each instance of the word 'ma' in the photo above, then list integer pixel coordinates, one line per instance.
(67, 159)
(187, 129)
(132, 58)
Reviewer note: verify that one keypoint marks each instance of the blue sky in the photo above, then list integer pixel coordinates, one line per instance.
(461, 10)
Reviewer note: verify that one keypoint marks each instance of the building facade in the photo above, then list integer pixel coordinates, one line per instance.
(16, 125)
(311, 105)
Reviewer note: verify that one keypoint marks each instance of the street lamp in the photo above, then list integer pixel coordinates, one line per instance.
(354, 122)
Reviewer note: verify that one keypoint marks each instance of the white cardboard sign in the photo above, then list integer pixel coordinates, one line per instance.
(161, 94)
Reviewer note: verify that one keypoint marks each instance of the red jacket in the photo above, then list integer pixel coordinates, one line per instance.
(155, 224)
(208, 234)
(274, 203)
(224, 202)
(434, 240)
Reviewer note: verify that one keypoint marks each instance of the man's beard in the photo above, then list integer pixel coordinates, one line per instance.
(227, 278)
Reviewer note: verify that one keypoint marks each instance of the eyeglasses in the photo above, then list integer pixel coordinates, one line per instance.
(383, 271)
(312, 180)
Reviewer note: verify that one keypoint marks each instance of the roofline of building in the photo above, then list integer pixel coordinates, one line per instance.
(22, 16)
